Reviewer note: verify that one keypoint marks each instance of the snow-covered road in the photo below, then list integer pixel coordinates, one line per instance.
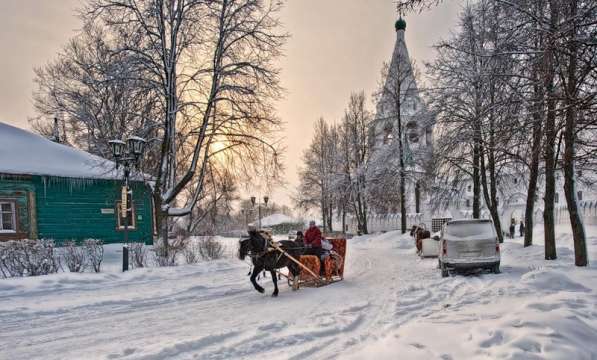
(391, 303)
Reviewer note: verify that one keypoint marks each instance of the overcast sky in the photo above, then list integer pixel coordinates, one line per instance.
(337, 46)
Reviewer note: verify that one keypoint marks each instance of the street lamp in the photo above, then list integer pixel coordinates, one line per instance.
(128, 154)
(244, 214)
(254, 202)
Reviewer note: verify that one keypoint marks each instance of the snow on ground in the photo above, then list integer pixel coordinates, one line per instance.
(390, 305)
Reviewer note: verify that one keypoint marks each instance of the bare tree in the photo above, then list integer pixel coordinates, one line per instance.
(334, 172)
(94, 93)
(535, 73)
(405, 6)
(576, 77)
(316, 175)
(207, 70)
(458, 100)
(354, 131)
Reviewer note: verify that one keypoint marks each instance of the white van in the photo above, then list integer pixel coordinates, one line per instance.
(469, 244)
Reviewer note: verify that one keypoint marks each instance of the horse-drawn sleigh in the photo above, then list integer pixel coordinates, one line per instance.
(303, 270)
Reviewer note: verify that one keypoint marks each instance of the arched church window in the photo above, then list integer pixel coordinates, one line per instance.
(412, 132)
(387, 134)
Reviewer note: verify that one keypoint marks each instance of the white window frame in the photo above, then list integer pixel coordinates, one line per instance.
(13, 212)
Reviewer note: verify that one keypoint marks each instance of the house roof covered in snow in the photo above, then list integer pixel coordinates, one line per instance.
(25, 153)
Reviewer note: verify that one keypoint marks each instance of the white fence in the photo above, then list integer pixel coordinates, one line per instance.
(389, 222)
(587, 210)
(385, 222)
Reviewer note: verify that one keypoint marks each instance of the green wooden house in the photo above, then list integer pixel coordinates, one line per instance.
(52, 191)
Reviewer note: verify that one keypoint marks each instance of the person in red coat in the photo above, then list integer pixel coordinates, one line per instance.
(313, 242)
(313, 236)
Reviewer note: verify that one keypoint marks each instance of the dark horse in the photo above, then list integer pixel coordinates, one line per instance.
(264, 258)
(419, 233)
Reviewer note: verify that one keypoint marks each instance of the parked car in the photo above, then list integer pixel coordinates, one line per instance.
(469, 244)
(292, 234)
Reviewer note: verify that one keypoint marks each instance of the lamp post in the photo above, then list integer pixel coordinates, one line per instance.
(128, 154)
(254, 201)
(245, 214)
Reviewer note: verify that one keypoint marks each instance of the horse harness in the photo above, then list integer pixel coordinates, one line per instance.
(266, 249)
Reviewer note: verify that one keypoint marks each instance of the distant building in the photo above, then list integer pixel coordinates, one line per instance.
(53, 191)
(417, 122)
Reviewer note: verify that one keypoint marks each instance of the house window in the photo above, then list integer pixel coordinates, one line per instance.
(579, 195)
(131, 224)
(557, 198)
(469, 188)
(7, 217)
(515, 180)
(468, 202)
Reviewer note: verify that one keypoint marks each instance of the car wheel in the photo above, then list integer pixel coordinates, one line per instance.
(444, 270)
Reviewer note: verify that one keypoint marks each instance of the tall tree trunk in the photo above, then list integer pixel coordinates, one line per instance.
(489, 193)
(549, 197)
(417, 197)
(578, 231)
(402, 174)
(161, 219)
(476, 179)
(365, 219)
(534, 165)
(537, 110)
(490, 190)
(343, 219)
(478, 67)
(550, 138)
(330, 217)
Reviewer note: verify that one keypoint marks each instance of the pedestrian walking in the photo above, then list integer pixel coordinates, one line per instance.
(512, 228)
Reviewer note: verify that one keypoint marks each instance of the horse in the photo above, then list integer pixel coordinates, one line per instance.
(419, 233)
(265, 258)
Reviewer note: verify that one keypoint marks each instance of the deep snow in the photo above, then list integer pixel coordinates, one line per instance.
(390, 305)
